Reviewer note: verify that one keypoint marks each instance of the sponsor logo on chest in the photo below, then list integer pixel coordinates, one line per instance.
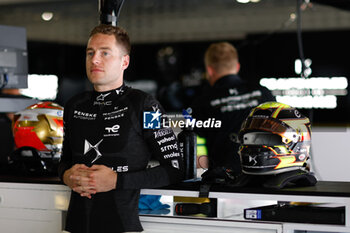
(100, 100)
(120, 168)
(84, 115)
(88, 146)
(118, 113)
(112, 131)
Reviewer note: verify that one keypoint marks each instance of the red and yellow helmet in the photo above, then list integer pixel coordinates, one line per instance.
(274, 138)
(40, 126)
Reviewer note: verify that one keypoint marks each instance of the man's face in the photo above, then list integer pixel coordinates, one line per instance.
(105, 62)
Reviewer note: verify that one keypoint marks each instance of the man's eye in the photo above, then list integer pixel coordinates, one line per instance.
(89, 54)
(105, 53)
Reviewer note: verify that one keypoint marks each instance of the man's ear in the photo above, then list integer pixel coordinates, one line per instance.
(211, 75)
(210, 71)
(126, 61)
(238, 67)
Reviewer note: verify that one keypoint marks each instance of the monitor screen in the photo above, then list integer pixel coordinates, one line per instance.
(13, 57)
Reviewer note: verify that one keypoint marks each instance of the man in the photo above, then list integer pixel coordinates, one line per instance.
(106, 148)
(229, 100)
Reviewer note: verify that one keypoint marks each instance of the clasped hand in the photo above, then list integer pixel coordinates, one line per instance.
(90, 180)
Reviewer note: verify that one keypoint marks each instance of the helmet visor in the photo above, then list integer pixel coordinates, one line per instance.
(270, 125)
(262, 138)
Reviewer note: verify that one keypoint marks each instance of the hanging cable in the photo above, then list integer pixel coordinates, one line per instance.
(109, 11)
(300, 5)
(304, 5)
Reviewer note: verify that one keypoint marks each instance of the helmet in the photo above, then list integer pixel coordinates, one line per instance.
(38, 134)
(275, 138)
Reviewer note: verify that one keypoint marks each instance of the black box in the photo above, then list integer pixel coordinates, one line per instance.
(297, 213)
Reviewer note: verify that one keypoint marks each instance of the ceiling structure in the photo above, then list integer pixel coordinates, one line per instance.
(159, 21)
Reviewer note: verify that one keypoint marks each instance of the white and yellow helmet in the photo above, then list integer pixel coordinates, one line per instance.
(274, 138)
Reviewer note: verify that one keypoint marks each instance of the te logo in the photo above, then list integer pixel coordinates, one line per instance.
(113, 129)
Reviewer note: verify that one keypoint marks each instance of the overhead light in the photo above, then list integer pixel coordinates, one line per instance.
(47, 16)
(292, 16)
(247, 1)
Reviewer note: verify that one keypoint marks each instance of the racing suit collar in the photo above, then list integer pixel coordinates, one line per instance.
(231, 79)
(106, 95)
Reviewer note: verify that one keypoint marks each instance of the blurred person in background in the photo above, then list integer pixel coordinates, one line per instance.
(228, 99)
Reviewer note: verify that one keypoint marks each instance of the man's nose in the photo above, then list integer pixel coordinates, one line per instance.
(95, 59)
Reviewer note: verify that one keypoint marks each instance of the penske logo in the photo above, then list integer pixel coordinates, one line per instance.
(84, 115)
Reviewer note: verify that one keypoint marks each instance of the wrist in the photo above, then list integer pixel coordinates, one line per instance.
(65, 177)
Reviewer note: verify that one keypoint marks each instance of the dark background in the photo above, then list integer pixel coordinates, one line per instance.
(261, 55)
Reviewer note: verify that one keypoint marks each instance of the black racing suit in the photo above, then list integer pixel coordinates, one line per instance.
(229, 100)
(107, 128)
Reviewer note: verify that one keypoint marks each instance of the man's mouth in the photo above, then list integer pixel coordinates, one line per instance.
(96, 70)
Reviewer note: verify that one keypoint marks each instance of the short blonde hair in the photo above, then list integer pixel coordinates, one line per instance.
(221, 56)
(119, 33)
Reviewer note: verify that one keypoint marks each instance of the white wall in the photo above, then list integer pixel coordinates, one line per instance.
(330, 156)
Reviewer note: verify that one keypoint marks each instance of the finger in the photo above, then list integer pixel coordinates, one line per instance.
(82, 183)
(92, 175)
(79, 177)
(88, 189)
(96, 167)
(83, 173)
(77, 189)
(85, 189)
(79, 166)
(81, 190)
(83, 166)
(75, 179)
(86, 195)
(89, 184)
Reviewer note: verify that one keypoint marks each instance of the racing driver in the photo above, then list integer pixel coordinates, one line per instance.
(111, 133)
